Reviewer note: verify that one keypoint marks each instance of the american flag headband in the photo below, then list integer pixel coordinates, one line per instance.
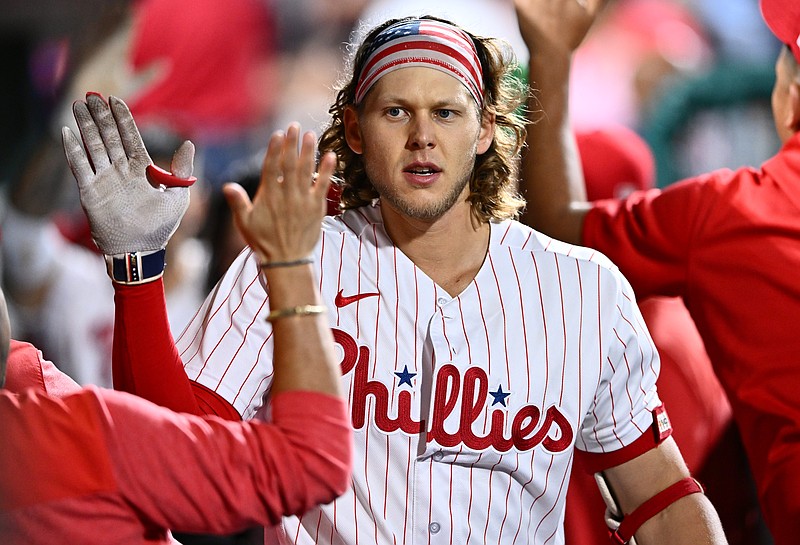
(426, 43)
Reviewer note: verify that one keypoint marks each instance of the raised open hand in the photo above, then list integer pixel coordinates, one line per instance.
(556, 26)
(282, 223)
(132, 205)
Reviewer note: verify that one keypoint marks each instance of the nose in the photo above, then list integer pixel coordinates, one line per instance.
(421, 134)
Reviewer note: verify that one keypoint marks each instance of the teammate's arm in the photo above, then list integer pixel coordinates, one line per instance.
(552, 179)
(244, 473)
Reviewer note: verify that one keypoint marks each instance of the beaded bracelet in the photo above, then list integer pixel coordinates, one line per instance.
(302, 310)
(273, 264)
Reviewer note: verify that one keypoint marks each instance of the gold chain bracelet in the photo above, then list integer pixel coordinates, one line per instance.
(301, 310)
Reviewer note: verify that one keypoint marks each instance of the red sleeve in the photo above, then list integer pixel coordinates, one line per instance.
(27, 368)
(145, 360)
(244, 473)
(142, 468)
(649, 234)
(52, 450)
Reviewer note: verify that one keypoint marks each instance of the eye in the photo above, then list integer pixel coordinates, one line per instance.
(394, 112)
(445, 113)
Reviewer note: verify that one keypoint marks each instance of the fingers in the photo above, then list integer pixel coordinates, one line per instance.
(240, 205)
(182, 163)
(288, 160)
(327, 166)
(308, 154)
(92, 141)
(129, 133)
(76, 157)
(107, 126)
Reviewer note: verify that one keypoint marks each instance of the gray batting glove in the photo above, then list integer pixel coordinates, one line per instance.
(132, 205)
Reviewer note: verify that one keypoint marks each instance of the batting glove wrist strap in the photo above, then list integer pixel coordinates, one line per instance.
(136, 267)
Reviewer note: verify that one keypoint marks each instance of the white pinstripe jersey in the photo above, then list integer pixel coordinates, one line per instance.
(466, 410)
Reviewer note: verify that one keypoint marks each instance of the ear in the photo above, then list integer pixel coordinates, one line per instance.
(793, 115)
(486, 136)
(352, 130)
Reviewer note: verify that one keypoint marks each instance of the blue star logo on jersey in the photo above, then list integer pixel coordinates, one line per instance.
(499, 396)
(405, 376)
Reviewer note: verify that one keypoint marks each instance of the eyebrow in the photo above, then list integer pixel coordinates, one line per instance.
(448, 103)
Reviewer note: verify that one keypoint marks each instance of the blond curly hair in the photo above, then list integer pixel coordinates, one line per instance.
(493, 186)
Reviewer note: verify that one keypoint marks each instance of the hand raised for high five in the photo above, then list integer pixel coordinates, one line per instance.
(555, 26)
(282, 223)
(132, 205)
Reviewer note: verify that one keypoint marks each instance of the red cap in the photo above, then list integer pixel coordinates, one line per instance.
(783, 19)
(616, 161)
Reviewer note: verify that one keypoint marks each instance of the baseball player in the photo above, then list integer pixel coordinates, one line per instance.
(476, 353)
(98, 466)
(727, 241)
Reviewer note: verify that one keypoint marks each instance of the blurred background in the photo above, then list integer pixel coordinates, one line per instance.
(692, 78)
(681, 72)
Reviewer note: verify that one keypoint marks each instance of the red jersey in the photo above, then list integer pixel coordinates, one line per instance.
(27, 368)
(728, 242)
(100, 466)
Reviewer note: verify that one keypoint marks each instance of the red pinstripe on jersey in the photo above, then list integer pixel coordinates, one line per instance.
(542, 334)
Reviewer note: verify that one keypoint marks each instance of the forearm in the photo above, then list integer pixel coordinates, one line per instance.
(552, 179)
(145, 361)
(653, 490)
(304, 356)
(692, 519)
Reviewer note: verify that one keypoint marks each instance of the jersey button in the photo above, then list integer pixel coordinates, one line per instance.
(442, 301)
(435, 527)
(437, 457)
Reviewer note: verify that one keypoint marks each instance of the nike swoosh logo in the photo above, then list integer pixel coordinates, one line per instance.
(344, 300)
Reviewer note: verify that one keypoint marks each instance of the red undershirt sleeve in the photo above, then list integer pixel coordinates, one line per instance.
(145, 360)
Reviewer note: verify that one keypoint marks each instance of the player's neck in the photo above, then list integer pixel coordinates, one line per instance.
(450, 250)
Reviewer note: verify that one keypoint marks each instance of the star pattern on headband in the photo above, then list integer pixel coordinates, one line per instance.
(392, 33)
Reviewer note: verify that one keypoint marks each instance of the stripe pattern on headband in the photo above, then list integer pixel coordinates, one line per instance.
(422, 42)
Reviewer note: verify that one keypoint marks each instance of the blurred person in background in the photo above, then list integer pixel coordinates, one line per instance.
(200, 70)
(633, 51)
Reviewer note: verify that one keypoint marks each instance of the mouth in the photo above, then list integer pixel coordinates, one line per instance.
(422, 174)
(422, 171)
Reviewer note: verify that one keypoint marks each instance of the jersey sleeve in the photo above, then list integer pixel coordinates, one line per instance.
(649, 235)
(626, 401)
(27, 368)
(145, 360)
(209, 475)
(227, 347)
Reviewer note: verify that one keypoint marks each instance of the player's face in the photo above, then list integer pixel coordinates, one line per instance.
(419, 131)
